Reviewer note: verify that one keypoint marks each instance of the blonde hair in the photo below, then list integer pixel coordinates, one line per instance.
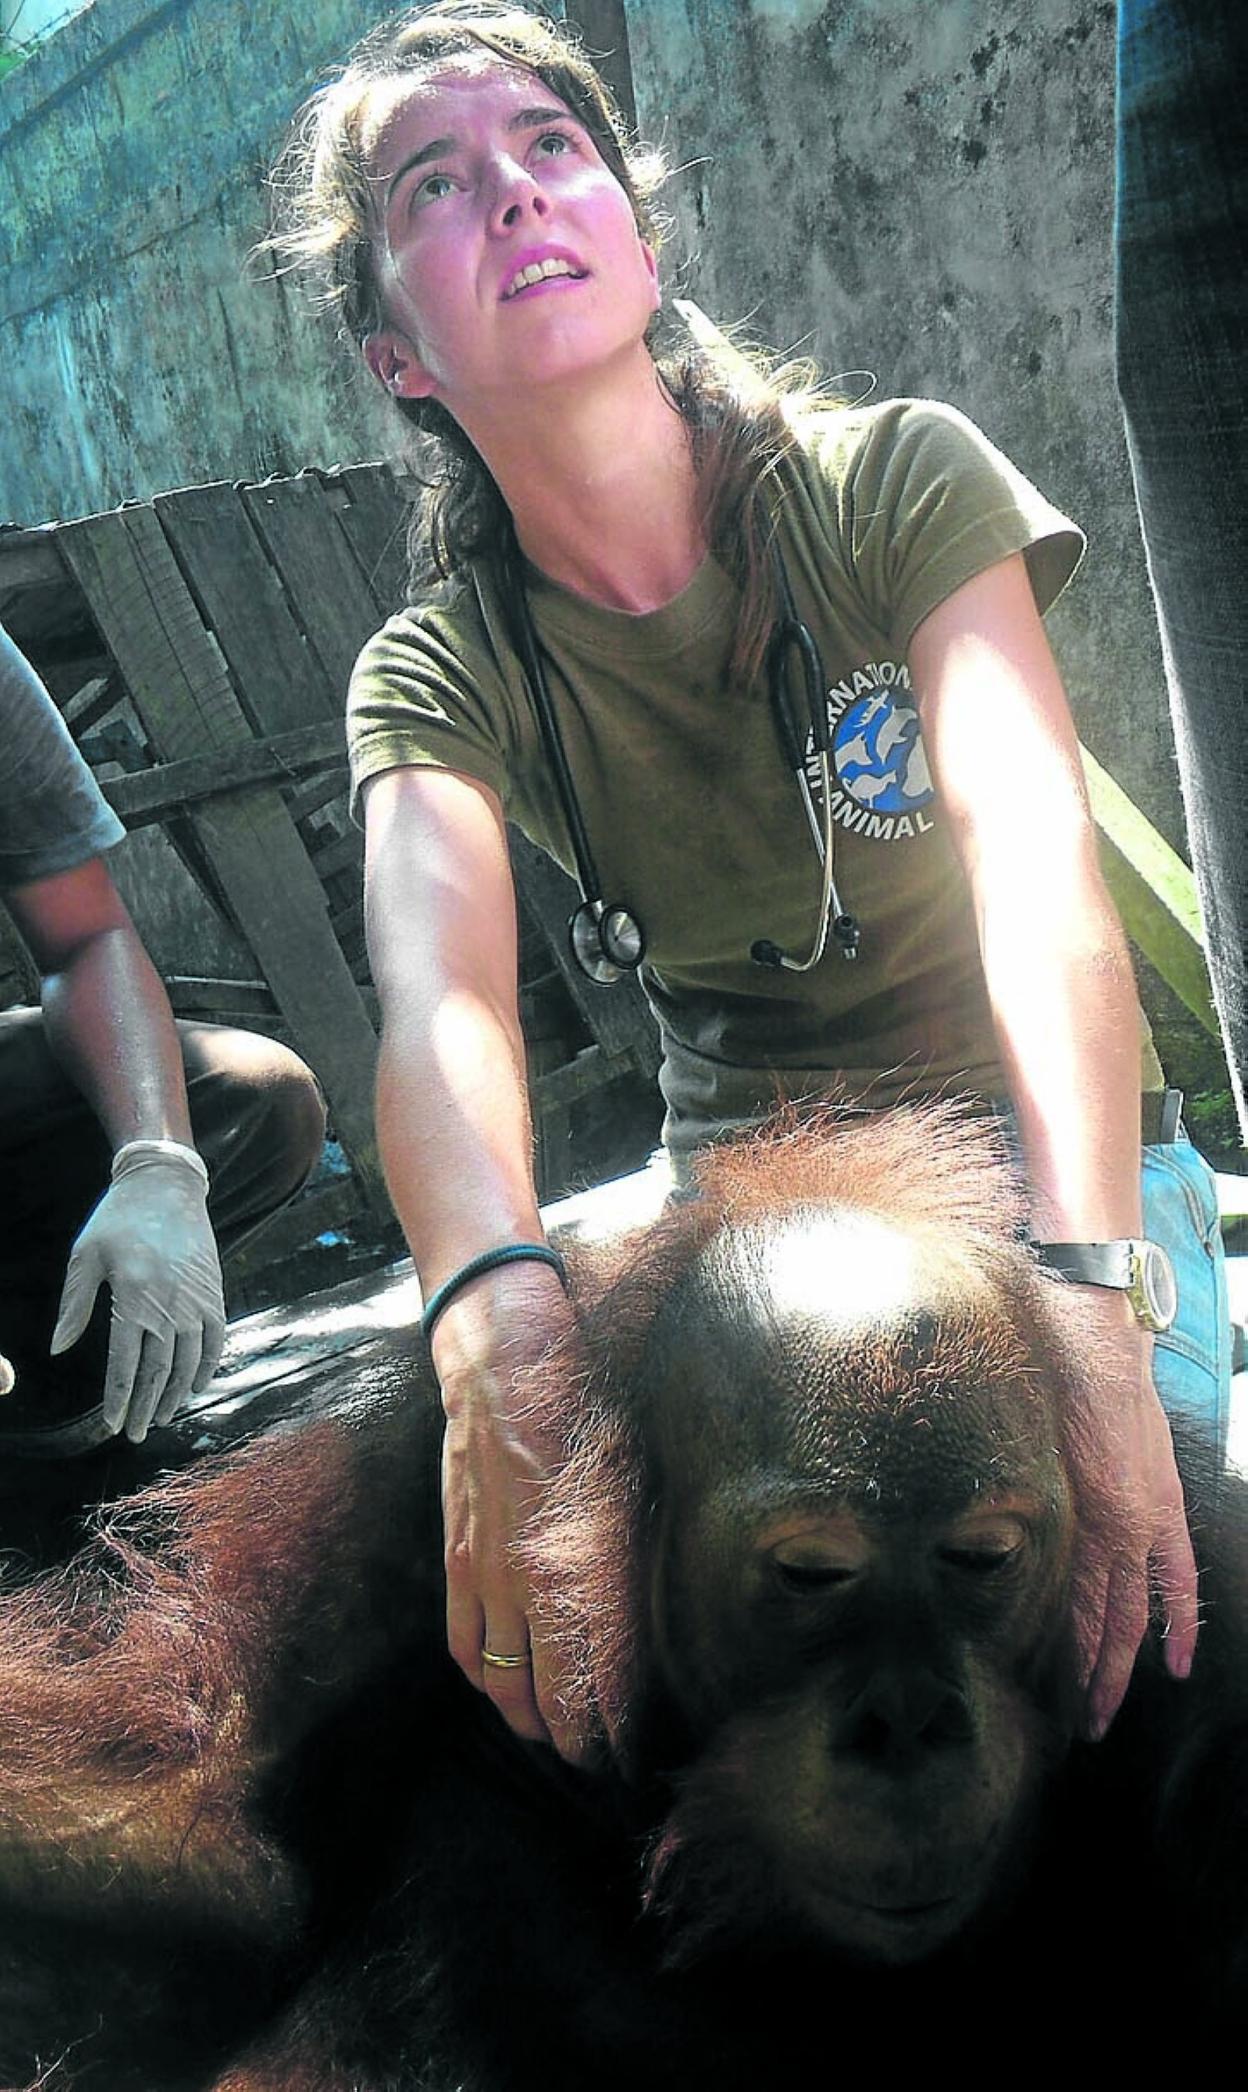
(324, 227)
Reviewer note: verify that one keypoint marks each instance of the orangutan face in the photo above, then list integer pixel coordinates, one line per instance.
(864, 1541)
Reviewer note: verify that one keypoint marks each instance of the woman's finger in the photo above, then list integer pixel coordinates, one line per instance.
(549, 1682)
(1175, 1575)
(1090, 1605)
(1126, 1623)
(465, 1631)
(507, 1675)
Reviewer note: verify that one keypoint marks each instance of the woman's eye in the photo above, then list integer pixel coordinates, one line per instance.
(432, 188)
(553, 143)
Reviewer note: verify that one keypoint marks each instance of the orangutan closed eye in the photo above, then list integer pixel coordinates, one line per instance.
(810, 1558)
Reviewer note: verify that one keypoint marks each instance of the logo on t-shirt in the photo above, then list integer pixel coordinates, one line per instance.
(881, 781)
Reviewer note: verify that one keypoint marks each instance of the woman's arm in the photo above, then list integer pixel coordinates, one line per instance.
(1004, 752)
(454, 1132)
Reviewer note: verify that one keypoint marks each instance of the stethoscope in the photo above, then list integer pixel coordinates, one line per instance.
(606, 937)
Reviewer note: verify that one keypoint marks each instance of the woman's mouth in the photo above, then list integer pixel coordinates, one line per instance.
(545, 271)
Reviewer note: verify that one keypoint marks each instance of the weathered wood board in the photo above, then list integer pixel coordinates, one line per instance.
(178, 682)
(200, 644)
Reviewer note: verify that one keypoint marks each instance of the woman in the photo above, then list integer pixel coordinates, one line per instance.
(486, 234)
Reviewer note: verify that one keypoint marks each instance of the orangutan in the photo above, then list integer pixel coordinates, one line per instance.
(810, 1553)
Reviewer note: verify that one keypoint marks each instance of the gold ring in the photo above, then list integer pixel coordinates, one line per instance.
(506, 1663)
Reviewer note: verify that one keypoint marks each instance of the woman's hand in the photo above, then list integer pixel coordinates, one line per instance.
(1067, 1020)
(1133, 1537)
(494, 1467)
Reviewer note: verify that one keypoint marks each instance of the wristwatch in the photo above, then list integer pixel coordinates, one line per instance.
(1141, 1270)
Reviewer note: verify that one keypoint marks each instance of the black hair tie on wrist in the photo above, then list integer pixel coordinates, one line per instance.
(489, 1260)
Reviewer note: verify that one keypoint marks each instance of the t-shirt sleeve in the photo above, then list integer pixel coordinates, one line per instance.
(426, 690)
(928, 503)
(53, 815)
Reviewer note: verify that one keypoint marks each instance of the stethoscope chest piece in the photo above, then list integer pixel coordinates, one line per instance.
(607, 940)
(606, 937)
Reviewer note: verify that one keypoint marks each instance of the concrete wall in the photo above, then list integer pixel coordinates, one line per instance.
(925, 191)
(140, 352)
(918, 188)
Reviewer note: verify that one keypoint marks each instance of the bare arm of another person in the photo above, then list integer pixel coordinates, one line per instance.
(454, 1132)
(1003, 749)
(109, 1023)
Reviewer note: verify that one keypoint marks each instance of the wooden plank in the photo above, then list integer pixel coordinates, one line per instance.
(179, 687)
(66, 677)
(374, 522)
(310, 798)
(150, 795)
(174, 674)
(19, 976)
(189, 992)
(559, 1087)
(342, 853)
(552, 1123)
(619, 1016)
(29, 559)
(1154, 892)
(279, 679)
(118, 740)
(294, 1227)
(348, 922)
(332, 601)
(92, 702)
(604, 26)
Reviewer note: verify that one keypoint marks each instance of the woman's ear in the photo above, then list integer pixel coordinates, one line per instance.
(393, 361)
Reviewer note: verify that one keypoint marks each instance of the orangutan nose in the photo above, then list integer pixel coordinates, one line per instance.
(903, 1711)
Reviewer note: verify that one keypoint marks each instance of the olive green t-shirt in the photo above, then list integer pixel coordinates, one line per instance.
(693, 813)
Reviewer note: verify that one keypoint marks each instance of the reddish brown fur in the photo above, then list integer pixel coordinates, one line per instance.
(934, 1170)
(146, 1693)
(146, 1688)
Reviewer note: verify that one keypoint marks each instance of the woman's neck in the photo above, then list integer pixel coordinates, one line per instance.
(600, 482)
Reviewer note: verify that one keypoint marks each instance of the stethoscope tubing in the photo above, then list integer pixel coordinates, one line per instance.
(595, 915)
(548, 726)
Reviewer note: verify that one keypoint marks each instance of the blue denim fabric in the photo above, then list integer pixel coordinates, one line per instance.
(1182, 321)
(1192, 1360)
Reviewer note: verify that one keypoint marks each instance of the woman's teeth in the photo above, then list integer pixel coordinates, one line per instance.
(535, 273)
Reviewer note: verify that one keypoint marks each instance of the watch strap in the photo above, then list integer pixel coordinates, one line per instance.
(1090, 1263)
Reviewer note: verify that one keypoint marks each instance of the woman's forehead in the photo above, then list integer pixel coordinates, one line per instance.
(435, 103)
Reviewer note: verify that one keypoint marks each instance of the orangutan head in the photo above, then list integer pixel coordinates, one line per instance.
(828, 1568)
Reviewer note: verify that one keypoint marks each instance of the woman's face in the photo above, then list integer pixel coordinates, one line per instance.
(507, 253)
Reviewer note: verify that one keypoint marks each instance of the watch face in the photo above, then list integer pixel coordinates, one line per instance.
(1154, 1294)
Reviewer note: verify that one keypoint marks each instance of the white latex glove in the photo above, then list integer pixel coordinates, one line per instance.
(151, 1241)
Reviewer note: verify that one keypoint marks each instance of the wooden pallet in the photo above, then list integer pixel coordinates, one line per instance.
(199, 646)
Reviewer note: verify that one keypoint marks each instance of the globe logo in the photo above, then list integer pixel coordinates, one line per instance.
(879, 755)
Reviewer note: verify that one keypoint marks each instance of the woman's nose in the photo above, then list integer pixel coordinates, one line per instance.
(516, 195)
